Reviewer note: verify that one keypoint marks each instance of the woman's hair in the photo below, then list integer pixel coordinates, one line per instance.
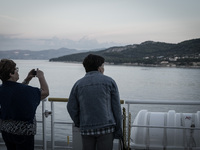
(7, 66)
(92, 62)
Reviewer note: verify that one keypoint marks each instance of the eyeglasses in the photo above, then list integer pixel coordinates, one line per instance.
(17, 69)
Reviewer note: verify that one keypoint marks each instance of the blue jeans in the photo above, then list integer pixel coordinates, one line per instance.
(98, 142)
(18, 142)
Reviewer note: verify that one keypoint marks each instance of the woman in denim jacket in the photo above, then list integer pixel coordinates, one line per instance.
(94, 106)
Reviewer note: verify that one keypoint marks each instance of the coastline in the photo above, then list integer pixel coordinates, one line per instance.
(158, 65)
(142, 65)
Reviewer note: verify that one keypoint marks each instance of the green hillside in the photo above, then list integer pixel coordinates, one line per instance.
(149, 52)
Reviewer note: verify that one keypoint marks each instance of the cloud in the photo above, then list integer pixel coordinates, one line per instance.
(10, 42)
(8, 18)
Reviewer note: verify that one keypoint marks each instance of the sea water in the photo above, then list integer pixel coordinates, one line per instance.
(134, 83)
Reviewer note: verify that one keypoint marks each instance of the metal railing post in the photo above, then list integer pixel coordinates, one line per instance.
(52, 126)
(128, 111)
(44, 124)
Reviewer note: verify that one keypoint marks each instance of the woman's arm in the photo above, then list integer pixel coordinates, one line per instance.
(43, 84)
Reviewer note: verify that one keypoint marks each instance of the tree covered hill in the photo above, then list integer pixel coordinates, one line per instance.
(148, 52)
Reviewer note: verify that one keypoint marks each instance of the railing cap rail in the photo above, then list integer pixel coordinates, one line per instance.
(163, 102)
(55, 99)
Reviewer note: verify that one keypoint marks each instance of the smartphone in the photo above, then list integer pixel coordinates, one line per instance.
(34, 73)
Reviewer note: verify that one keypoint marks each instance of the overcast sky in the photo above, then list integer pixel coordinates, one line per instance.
(91, 24)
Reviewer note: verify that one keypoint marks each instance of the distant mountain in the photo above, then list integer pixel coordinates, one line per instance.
(40, 55)
(148, 52)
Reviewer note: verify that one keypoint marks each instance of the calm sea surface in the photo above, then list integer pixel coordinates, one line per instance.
(134, 83)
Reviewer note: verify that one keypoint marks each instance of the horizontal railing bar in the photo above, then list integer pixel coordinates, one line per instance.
(63, 147)
(168, 127)
(39, 121)
(57, 122)
(54, 99)
(133, 145)
(170, 102)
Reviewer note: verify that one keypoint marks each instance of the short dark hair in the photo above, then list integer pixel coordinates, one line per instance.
(7, 66)
(92, 62)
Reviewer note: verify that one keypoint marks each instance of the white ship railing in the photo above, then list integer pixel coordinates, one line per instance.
(46, 113)
(53, 122)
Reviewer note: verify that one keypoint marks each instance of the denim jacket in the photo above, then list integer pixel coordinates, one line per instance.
(94, 103)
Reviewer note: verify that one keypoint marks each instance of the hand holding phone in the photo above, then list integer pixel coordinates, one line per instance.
(34, 72)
